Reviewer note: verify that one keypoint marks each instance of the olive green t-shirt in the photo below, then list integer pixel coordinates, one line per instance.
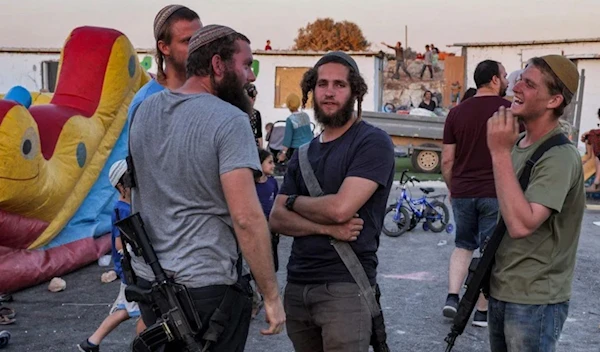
(538, 269)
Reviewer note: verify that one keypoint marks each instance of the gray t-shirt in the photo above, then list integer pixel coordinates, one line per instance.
(181, 145)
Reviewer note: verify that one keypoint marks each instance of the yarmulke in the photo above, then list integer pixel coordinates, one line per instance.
(207, 35)
(565, 70)
(339, 57)
(162, 16)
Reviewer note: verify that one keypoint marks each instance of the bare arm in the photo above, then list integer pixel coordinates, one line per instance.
(292, 224)
(448, 156)
(522, 218)
(389, 46)
(340, 207)
(118, 243)
(253, 236)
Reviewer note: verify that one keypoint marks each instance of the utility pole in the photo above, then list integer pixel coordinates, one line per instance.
(406, 36)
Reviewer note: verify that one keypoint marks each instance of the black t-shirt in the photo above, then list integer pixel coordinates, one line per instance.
(256, 124)
(399, 54)
(431, 106)
(363, 151)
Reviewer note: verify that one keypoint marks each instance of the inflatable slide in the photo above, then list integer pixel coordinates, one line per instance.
(55, 197)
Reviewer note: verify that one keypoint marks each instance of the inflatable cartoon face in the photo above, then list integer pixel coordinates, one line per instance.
(52, 156)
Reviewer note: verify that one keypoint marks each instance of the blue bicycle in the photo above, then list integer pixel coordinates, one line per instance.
(407, 212)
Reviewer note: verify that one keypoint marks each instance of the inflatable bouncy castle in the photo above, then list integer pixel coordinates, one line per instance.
(55, 196)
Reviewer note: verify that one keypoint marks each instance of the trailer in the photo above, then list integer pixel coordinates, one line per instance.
(420, 135)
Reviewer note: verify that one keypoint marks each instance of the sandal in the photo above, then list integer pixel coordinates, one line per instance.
(7, 312)
(4, 320)
(6, 297)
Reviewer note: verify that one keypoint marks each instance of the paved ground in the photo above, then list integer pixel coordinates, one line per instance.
(412, 274)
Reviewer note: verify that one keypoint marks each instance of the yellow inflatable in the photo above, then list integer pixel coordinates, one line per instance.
(52, 154)
(55, 152)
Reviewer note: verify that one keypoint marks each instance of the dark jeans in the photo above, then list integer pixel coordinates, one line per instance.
(206, 300)
(525, 327)
(430, 67)
(327, 318)
(475, 220)
(400, 64)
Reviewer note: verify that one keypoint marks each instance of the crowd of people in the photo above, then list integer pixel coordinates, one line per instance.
(205, 191)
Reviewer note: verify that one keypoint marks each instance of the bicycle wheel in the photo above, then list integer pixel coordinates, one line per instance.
(437, 216)
(393, 226)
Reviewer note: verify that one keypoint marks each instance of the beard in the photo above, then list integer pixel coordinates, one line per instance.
(231, 90)
(503, 91)
(338, 118)
(178, 65)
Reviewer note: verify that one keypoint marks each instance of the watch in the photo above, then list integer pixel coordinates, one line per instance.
(289, 203)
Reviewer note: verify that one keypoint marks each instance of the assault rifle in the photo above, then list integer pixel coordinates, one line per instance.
(178, 321)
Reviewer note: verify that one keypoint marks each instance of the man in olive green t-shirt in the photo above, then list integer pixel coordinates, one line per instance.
(530, 284)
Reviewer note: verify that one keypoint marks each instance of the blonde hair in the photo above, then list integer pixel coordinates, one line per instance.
(292, 102)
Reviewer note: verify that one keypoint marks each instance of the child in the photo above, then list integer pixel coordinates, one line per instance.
(122, 309)
(267, 189)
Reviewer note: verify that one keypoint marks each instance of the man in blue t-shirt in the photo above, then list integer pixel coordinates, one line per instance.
(173, 28)
(121, 310)
(353, 162)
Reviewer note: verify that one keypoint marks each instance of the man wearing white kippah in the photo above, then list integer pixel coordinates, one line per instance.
(194, 155)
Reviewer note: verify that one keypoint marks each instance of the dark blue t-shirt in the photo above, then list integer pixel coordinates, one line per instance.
(124, 209)
(266, 194)
(363, 151)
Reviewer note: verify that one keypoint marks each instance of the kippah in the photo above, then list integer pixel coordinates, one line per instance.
(207, 35)
(339, 57)
(162, 16)
(565, 70)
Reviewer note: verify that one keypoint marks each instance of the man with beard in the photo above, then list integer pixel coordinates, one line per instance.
(467, 170)
(173, 28)
(530, 284)
(194, 156)
(353, 162)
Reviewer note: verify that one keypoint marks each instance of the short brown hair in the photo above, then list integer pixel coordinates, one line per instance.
(166, 36)
(554, 84)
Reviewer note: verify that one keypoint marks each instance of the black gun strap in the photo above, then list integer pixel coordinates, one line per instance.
(343, 249)
(525, 176)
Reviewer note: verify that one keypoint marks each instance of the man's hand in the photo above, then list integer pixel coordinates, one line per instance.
(584, 136)
(274, 316)
(348, 231)
(502, 131)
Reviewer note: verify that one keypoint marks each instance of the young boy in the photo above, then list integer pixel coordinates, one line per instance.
(122, 309)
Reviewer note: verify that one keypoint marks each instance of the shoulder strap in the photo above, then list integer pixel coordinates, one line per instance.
(343, 249)
(556, 140)
(524, 177)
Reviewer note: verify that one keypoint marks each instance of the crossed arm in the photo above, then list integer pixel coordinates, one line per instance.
(332, 215)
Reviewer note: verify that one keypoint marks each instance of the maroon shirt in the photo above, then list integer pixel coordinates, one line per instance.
(466, 126)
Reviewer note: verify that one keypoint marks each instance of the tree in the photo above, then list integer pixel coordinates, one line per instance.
(325, 34)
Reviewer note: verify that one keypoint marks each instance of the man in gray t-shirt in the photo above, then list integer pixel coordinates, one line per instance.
(194, 155)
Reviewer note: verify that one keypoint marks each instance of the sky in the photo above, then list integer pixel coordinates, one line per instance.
(46, 23)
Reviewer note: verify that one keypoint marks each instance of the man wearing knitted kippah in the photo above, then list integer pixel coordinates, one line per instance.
(173, 28)
(530, 284)
(194, 155)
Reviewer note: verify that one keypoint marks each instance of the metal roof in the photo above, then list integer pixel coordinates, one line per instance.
(583, 56)
(151, 51)
(530, 42)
